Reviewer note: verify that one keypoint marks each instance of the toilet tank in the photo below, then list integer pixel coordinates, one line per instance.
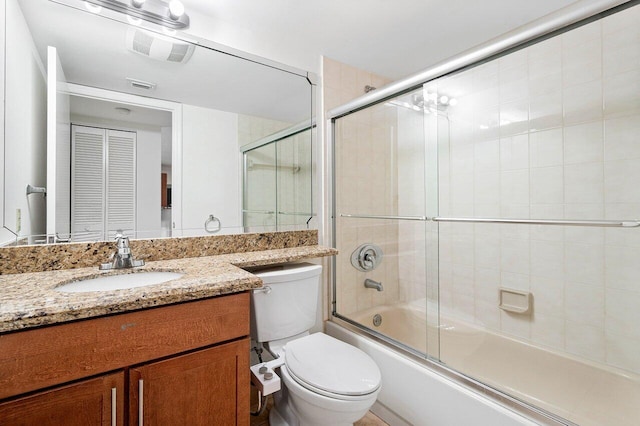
(288, 302)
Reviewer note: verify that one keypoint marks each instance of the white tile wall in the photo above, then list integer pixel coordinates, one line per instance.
(366, 173)
(550, 131)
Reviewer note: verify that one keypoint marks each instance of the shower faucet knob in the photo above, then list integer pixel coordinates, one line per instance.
(366, 257)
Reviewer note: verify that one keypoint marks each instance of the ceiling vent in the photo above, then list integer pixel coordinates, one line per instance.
(141, 84)
(158, 47)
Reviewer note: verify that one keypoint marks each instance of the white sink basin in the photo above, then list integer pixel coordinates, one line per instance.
(119, 282)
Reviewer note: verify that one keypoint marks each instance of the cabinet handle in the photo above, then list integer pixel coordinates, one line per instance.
(140, 402)
(114, 402)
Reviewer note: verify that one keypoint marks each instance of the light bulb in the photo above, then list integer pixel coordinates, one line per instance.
(176, 9)
(137, 3)
(444, 99)
(453, 102)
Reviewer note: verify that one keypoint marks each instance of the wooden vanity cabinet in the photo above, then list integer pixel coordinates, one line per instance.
(194, 389)
(98, 401)
(179, 364)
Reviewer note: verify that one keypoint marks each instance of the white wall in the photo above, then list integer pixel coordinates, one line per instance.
(167, 170)
(210, 168)
(5, 235)
(148, 171)
(25, 131)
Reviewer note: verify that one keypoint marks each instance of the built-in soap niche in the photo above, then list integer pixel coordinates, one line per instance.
(516, 301)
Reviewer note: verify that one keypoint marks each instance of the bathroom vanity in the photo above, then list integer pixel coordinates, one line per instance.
(170, 353)
(181, 364)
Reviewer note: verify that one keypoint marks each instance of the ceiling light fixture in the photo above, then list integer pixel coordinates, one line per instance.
(169, 15)
(176, 9)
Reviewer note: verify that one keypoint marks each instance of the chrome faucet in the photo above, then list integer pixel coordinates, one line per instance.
(368, 283)
(122, 257)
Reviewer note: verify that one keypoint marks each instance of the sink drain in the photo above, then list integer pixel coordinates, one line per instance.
(377, 320)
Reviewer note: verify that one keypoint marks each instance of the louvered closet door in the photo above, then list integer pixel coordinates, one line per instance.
(121, 182)
(87, 183)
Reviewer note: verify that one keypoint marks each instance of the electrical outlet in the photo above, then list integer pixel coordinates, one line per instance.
(18, 220)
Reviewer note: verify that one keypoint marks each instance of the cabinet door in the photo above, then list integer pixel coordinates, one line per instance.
(93, 402)
(207, 387)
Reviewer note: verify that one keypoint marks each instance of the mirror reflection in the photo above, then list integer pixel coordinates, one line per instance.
(129, 128)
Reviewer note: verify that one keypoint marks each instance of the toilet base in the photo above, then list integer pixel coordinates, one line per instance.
(275, 419)
(301, 407)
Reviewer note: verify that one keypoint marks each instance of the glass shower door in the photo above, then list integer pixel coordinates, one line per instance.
(294, 168)
(539, 171)
(260, 188)
(380, 218)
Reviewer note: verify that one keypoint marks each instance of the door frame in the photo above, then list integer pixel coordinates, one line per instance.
(176, 137)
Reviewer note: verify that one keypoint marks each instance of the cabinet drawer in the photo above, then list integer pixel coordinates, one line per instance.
(41, 357)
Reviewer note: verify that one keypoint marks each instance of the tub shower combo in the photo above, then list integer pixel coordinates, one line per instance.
(487, 216)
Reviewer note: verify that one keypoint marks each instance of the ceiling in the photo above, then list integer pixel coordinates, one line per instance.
(87, 107)
(93, 111)
(391, 38)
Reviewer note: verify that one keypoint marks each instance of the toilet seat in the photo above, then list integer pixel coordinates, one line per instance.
(332, 368)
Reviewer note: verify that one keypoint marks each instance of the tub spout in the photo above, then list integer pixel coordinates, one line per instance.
(373, 284)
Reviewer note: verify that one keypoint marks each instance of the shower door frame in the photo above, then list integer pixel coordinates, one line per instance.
(274, 139)
(546, 27)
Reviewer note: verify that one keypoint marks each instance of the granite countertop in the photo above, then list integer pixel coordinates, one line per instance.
(30, 299)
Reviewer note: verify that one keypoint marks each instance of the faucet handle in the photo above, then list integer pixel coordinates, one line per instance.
(121, 239)
(122, 244)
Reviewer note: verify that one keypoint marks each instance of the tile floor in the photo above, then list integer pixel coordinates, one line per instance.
(369, 419)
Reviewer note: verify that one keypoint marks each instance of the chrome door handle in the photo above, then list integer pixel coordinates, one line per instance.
(140, 402)
(114, 403)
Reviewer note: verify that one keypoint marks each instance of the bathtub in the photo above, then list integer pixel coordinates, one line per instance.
(582, 392)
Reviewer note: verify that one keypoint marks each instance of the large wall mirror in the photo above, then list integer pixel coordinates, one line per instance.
(129, 127)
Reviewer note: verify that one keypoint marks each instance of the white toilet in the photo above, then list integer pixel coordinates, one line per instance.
(325, 381)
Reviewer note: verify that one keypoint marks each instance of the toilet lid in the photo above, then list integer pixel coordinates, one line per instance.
(330, 365)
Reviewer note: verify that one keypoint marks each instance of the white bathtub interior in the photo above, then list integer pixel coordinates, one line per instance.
(584, 392)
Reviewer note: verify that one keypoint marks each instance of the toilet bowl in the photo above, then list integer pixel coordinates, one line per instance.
(324, 380)
(328, 382)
